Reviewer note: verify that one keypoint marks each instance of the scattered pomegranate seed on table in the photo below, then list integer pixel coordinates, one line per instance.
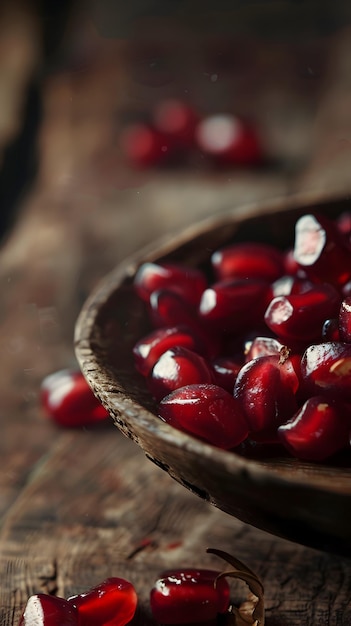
(68, 401)
(279, 326)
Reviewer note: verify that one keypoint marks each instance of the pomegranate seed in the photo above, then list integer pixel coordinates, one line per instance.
(144, 146)
(176, 368)
(291, 285)
(187, 282)
(184, 596)
(343, 223)
(233, 306)
(45, 610)
(111, 603)
(344, 322)
(265, 388)
(149, 349)
(326, 370)
(319, 429)
(206, 411)
(264, 346)
(225, 371)
(321, 250)
(330, 330)
(176, 120)
(68, 400)
(300, 318)
(228, 140)
(248, 260)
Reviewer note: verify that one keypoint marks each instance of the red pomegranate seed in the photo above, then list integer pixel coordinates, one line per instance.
(248, 260)
(68, 400)
(343, 223)
(177, 120)
(45, 610)
(185, 596)
(149, 349)
(264, 346)
(266, 388)
(344, 321)
(330, 330)
(318, 430)
(291, 285)
(225, 371)
(300, 318)
(326, 369)
(111, 603)
(321, 250)
(206, 411)
(187, 282)
(236, 305)
(144, 146)
(176, 368)
(229, 140)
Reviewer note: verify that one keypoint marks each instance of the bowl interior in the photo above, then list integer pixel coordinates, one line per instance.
(301, 501)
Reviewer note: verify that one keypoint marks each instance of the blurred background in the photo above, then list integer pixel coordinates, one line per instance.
(76, 76)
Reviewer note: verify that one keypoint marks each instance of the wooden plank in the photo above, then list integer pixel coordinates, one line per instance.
(96, 507)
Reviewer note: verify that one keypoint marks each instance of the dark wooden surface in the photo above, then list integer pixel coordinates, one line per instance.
(79, 506)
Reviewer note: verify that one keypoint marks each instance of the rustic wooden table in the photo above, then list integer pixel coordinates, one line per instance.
(79, 506)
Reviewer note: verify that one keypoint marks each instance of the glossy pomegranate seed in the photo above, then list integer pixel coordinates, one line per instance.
(344, 321)
(45, 610)
(176, 368)
(229, 140)
(67, 399)
(330, 330)
(149, 349)
(264, 346)
(206, 411)
(144, 146)
(225, 371)
(184, 596)
(248, 260)
(326, 369)
(177, 120)
(300, 318)
(291, 285)
(319, 429)
(266, 388)
(111, 603)
(321, 250)
(187, 282)
(232, 306)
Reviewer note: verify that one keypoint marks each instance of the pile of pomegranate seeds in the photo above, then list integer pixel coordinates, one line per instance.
(175, 132)
(178, 596)
(259, 350)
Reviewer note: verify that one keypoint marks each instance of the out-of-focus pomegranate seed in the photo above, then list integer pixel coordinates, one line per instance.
(229, 140)
(206, 411)
(265, 388)
(176, 368)
(67, 399)
(144, 146)
(177, 120)
(320, 428)
(322, 251)
(300, 318)
(188, 282)
(248, 260)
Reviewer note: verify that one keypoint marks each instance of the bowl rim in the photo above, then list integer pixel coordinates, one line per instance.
(295, 472)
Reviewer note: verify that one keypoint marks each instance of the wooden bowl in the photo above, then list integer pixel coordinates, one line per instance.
(304, 502)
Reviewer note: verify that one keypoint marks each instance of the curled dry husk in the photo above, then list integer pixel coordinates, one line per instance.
(251, 612)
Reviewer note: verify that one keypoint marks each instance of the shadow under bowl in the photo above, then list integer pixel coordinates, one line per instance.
(300, 501)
